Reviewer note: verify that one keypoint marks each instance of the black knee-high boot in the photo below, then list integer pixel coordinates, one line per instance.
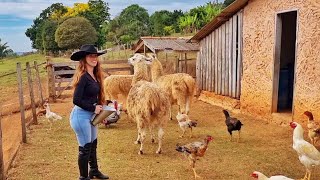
(94, 171)
(83, 159)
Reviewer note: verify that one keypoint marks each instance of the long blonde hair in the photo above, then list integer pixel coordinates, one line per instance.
(98, 73)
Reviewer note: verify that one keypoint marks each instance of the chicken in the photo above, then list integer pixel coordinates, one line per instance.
(51, 116)
(233, 124)
(309, 156)
(115, 116)
(194, 150)
(260, 176)
(185, 122)
(313, 128)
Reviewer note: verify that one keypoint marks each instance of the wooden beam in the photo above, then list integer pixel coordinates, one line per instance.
(38, 81)
(21, 103)
(51, 81)
(33, 105)
(239, 62)
(2, 175)
(276, 66)
(234, 56)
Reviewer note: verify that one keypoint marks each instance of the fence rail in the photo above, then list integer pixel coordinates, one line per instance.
(62, 72)
(33, 79)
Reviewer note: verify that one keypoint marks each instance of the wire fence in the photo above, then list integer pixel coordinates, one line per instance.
(23, 93)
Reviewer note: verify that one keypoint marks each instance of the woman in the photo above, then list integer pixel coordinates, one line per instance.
(88, 99)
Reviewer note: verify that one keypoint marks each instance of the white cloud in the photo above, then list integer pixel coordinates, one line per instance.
(30, 9)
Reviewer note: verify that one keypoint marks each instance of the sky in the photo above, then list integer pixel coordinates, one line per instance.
(18, 15)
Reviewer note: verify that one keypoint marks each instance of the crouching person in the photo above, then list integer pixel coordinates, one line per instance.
(88, 99)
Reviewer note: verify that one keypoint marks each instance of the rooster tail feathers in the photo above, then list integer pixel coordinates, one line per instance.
(193, 123)
(179, 148)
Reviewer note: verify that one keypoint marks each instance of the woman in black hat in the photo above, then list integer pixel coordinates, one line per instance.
(88, 99)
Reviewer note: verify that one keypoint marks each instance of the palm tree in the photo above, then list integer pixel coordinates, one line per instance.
(4, 50)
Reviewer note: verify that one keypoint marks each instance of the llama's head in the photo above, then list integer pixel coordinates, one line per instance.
(137, 58)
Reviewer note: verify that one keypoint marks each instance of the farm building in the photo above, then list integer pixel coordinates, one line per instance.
(175, 48)
(262, 57)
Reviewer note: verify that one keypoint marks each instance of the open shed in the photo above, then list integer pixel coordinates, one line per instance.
(177, 45)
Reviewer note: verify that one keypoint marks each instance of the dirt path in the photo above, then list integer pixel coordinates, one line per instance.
(52, 154)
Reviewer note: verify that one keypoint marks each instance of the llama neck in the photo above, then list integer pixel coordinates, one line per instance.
(140, 72)
(156, 69)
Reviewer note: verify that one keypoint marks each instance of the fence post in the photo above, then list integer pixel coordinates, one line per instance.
(2, 175)
(185, 63)
(39, 81)
(21, 102)
(51, 83)
(33, 105)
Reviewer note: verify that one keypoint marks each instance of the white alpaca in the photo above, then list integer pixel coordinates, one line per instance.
(179, 86)
(148, 105)
(121, 84)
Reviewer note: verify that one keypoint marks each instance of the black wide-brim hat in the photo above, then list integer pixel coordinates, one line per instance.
(85, 50)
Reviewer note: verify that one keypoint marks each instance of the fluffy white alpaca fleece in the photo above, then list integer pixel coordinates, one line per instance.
(121, 84)
(179, 86)
(148, 105)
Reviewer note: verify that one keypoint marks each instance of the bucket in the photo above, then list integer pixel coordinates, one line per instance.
(105, 112)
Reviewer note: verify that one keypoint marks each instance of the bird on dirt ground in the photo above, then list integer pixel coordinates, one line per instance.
(309, 155)
(194, 150)
(185, 122)
(233, 124)
(259, 176)
(51, 116)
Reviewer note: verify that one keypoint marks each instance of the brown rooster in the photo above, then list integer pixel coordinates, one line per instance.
(194, 150)
(313, 128)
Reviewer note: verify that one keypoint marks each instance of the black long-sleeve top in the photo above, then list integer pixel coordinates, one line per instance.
(86, 93)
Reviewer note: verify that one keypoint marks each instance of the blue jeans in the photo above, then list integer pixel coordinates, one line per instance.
(80, 123)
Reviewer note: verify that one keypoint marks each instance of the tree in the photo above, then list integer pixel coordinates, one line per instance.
(5, 50)
(34, 31)
(75, 32)
(48, 36)
(98, 14)
(227, 2)
(159, 20)
(175, 19)
(199, 16)
(135, 21)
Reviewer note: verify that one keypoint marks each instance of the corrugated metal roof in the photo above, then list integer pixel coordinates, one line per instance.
(219, 20)
(165, 43)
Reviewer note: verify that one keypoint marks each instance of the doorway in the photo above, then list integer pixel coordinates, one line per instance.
(284, 62)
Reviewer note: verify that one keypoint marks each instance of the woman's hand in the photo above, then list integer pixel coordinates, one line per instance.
(98, 109)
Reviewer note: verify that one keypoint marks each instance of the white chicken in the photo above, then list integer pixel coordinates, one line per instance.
(185, 122)
(309, 156)
(51, 116)
(258, 175)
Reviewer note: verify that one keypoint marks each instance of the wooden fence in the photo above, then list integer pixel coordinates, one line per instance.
(24, 121)
(219, 64)
(62, 72)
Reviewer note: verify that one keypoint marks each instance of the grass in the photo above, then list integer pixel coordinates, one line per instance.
(52, 154)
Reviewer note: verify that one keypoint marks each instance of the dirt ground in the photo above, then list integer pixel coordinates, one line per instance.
(52, 154)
